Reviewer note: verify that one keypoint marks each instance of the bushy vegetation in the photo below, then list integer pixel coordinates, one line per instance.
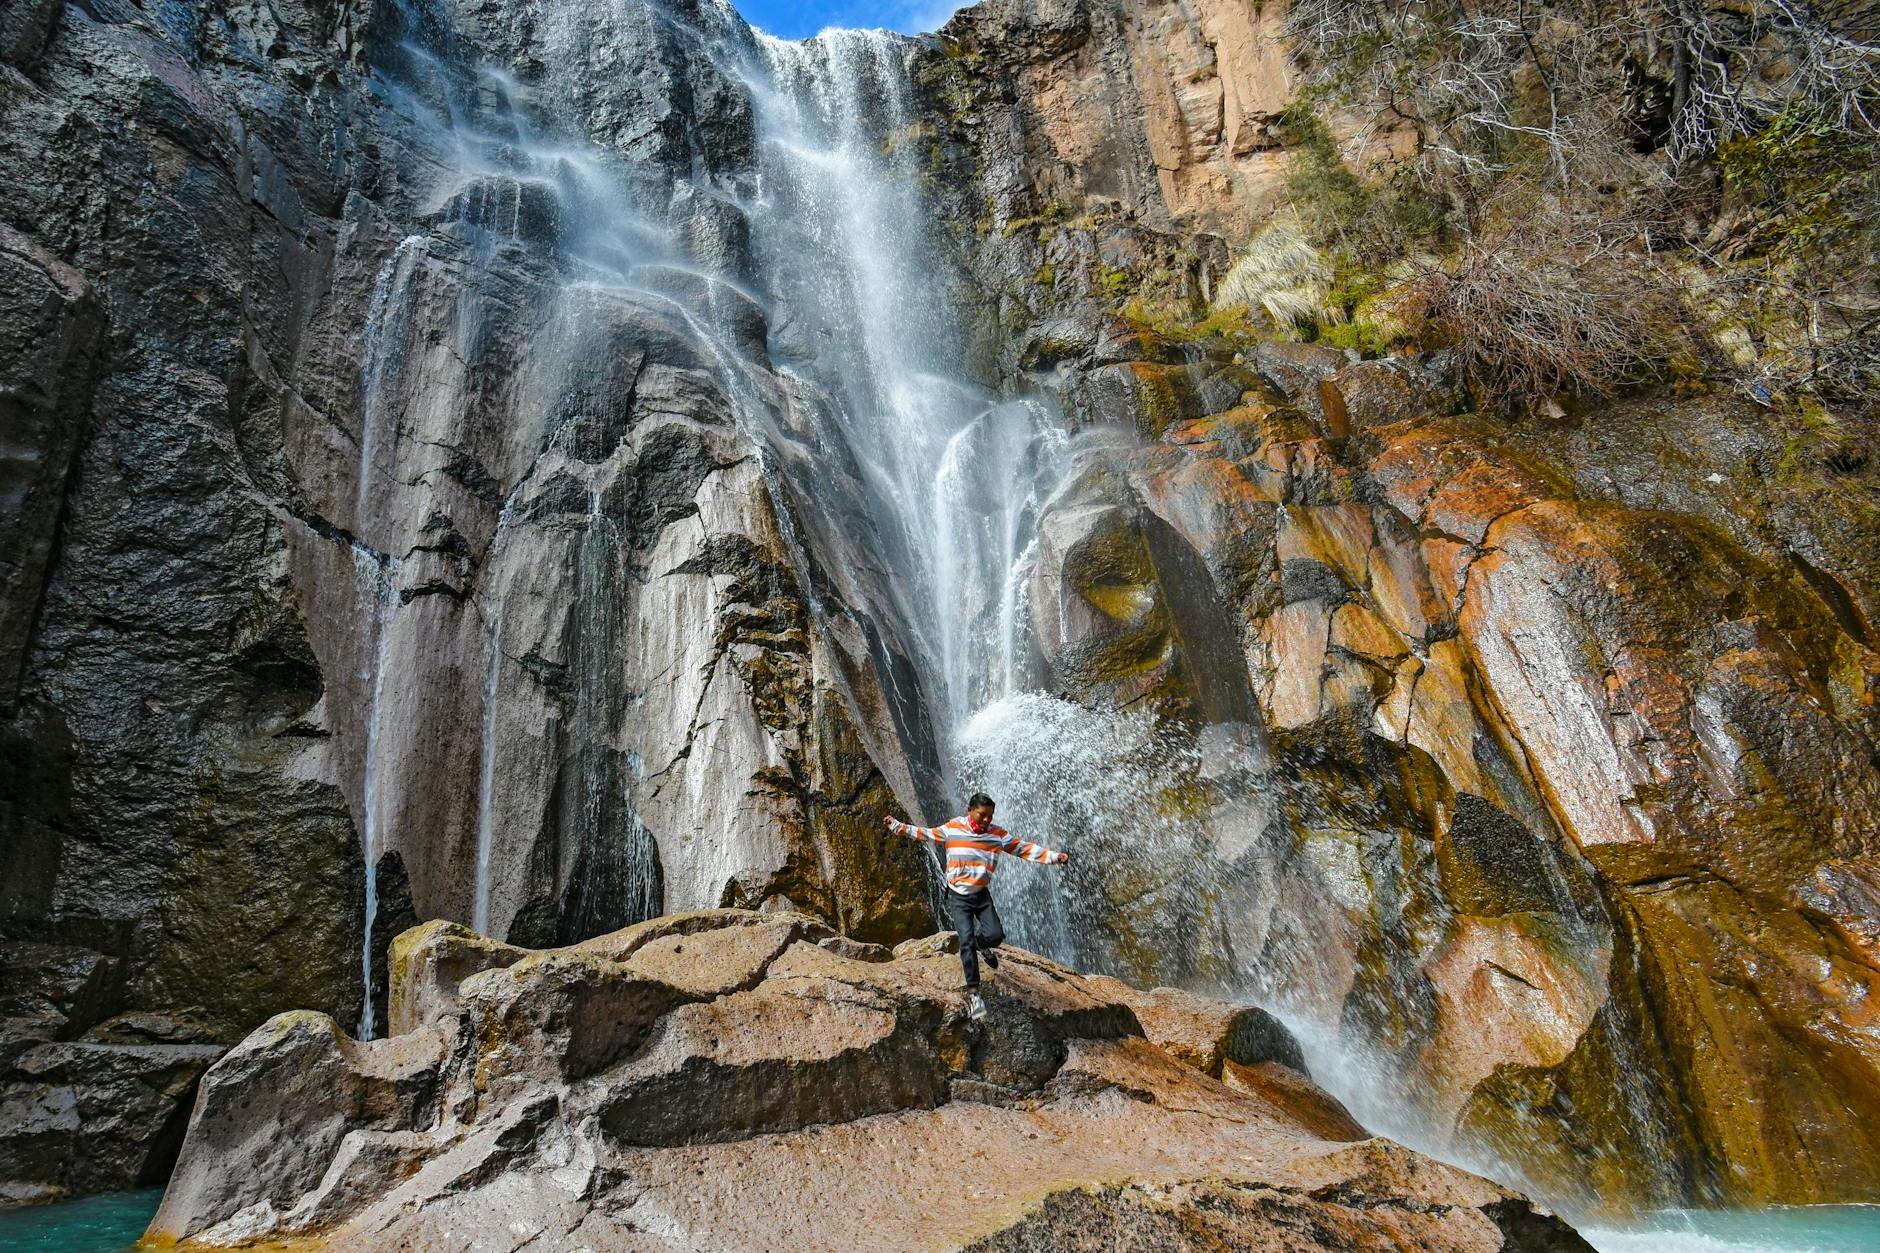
(1599, 193)
(1281, 274)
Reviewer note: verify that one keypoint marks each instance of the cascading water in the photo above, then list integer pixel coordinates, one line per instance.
(955, 478)
(616, 880)
(953, 482)
(387, 325)
(1185, 830)
(500, 191)
(378, 591)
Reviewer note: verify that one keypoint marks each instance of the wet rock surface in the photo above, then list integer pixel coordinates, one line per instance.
(1537, 747)
(362, 558)
(274, 588)
(1562, 767)
(1546, 693)
(608, 1096)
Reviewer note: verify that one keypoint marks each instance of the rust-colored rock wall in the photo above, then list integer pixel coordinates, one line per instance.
(1573, 720)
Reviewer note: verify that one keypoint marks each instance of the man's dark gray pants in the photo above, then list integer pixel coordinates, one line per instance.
(976, 919)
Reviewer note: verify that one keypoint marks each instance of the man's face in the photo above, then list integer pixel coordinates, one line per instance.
(981, 815)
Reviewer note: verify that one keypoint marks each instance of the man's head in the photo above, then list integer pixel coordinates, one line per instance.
(979, 809)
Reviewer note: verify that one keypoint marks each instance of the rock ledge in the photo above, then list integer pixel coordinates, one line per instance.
(731, 1079)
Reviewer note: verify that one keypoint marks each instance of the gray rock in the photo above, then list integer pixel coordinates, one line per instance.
(24, 29)
(87, 1116)
(290, 563)
(586, 1098)
(65, 987)
(50, 325)
(244, 1154)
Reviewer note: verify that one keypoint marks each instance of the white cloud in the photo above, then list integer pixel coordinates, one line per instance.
(926, 15)
(911, 17)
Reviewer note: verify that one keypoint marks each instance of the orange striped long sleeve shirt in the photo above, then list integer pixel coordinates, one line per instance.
(972, 855)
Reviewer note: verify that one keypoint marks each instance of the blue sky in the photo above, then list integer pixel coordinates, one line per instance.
(793, 19)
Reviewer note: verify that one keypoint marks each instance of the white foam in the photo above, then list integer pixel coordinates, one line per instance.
(1610, 1240)
(1791, 1229)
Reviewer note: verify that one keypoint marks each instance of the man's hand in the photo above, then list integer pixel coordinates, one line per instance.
(1063, 857)
(887, 820)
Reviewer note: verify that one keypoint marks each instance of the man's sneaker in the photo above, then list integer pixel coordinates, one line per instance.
(975, 1006)
(992, 958)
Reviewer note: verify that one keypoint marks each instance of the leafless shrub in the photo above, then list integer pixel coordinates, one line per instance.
(1741, 135)
(1486, 87)
(1548, 305)
(1576, 77)
(1733, 68)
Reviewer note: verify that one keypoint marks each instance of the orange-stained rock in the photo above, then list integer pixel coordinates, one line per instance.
(1442, 718)
(1195, 89)
(1510, 991)
(1770, 1022)
(1338, 536)
(1302, 1100)
(1357, 630)
(1295, 636)
(1439, 475)
(1517, 722)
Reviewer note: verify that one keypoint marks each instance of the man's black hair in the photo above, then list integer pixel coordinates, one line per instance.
(978, 799)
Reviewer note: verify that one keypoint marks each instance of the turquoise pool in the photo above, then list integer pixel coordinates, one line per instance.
(93, 1224)
(1801, 1229)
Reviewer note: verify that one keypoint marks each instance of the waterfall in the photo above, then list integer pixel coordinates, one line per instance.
(1191, 832)
(839, 345)
(510, 181)
(954, 476)
(379, 593)
(388, 319)
(617, 880)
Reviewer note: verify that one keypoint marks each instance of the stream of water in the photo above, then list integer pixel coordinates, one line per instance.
(861, 366)
(954, 477)
(860, 370)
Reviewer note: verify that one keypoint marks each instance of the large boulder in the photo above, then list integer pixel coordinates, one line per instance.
(248, 1160)
(685, 1083)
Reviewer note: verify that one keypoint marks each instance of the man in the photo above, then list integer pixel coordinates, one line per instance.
(973, 846)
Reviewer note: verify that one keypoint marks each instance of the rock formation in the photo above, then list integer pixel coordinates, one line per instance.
(487, 610)
(1524, 706)
(474, 461)
(733, 1079)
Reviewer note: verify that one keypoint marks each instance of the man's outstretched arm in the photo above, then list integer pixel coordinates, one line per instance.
(1032, 852)
(912, 832)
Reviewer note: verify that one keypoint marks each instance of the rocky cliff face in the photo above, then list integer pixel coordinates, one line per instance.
(1563, 730)
(473, 462)
(389, 532)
